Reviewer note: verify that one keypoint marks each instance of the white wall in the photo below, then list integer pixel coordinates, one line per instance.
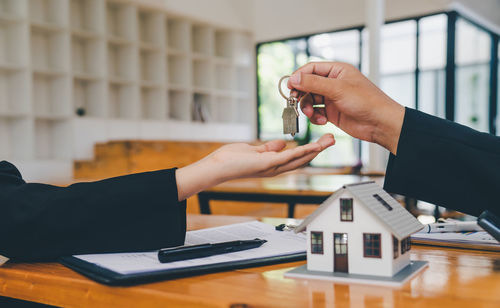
(277, 19)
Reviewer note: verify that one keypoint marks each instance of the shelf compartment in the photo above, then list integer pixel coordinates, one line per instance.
(223, 43)
(122, 101)
(202, 74)
(51, 96)
(153, 104)
(224, 77)
(121, 62)
(51, 139)
(152, 66)
(244, 78)
(224, 110)
(87, 56)
(179, 70)
(178, 34)
(202, 40)
(87, 15)
(120, 19)
(13, 8)
(89, 98)
(48, 11)
(201, 108)
(51, 50)
(243, 49)
(179, 105)
(151, 28)
(13, 46)
(15, 138)
(14, 94)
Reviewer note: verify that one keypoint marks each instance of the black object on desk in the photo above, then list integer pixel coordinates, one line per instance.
(490, 223)
(206, 250)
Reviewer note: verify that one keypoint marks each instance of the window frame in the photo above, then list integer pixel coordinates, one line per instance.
(379, 248)
(317, 245)
(346, 213)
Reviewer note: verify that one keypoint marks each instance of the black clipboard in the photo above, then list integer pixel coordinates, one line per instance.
(108, 277)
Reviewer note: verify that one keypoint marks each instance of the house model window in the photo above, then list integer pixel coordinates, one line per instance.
(367, 245)
(395, 244)
(371, 245)
(317, 242)
(346, 209)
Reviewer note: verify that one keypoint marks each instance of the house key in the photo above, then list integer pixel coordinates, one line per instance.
(290, 114)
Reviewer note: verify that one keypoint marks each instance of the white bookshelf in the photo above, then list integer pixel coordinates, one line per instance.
(118, 69)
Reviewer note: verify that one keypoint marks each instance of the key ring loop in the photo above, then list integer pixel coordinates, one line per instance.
(279, 86)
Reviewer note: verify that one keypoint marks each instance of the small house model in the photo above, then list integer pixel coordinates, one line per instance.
(360, 229)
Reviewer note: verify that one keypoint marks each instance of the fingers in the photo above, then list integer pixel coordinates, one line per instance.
(325, 69)
(328, 87)
(316, 115)
(325, 141)
(271, 146)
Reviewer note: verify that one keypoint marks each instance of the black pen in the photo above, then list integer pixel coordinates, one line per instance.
(205, 250)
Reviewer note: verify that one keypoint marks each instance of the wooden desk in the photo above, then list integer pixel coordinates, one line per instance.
(302, 187)
(455, 278)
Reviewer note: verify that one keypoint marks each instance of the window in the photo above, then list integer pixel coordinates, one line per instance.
(415, 60)
(346, 209)
(395, 248)
(317, 242)
(371, 245)
(472, 74)
(405, 245)
(383, 202)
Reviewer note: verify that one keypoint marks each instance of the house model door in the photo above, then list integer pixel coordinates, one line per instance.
(340, 252)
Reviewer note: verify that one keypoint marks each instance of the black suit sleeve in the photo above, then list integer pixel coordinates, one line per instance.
(130, 213)
(447, 164)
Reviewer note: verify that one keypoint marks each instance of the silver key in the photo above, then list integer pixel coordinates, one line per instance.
(290, 117)
(290, 114)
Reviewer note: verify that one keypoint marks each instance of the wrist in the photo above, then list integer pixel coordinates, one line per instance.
(388, 127)
(194, 178)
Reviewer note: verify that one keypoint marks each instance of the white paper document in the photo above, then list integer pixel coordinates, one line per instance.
(481, 238)
(279, 243)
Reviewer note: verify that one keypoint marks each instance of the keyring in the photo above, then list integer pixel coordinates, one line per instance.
(279, 86)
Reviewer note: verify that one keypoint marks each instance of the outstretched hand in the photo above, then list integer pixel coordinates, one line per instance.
(241, 160)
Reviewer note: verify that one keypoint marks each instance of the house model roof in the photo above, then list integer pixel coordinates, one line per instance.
(377, 201)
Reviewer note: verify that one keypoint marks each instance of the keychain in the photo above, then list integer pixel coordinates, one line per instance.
(290, 114)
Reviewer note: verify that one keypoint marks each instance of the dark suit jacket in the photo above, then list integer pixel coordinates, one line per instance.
(447, 164)
(129, 213)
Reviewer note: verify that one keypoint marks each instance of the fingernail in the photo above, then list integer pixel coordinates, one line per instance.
(295, 79)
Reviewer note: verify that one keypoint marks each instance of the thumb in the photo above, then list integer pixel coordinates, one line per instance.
(329, 87)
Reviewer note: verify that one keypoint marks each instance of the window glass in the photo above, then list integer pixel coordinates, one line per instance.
(371, 245)
(397, 61)
(395, 244)
(340, 241)
(317, 242)
(472, 43)
(338, 46)
(472, 75)
(432, 63)
(472, 96)
(498, 94)
(346, 209)
(398, 41)
(431, 89)
(432, 42)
